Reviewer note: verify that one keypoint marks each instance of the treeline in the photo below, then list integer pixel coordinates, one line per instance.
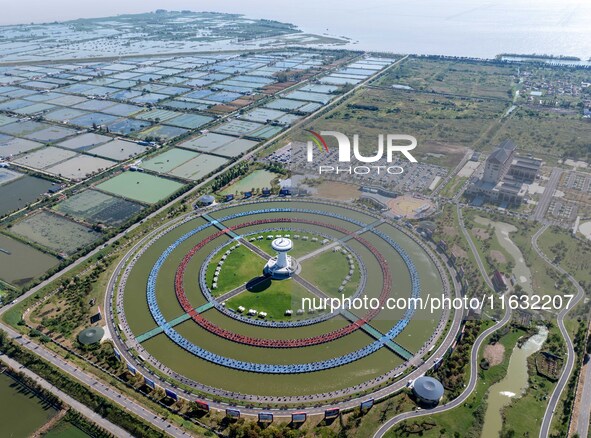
(247, 429)
(276, 168)
(453, 372)
(103, 407)
(363, 107)
(87, 426)
(225, 178)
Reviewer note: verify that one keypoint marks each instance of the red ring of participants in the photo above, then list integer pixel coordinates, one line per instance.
(279, 343)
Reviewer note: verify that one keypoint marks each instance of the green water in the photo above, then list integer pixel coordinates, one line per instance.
(65, 429)
(22, 411)
(512, 385)
(258, 179)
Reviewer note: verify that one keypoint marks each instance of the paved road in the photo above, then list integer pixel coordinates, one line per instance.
(584, 411)
(463, 396)
(544, 202)
(473, 355)
(474, 249)
(570, 351)
(76, 405)
(420, 366)
(93, 382)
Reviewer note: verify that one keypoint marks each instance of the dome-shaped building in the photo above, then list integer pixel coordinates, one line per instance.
(428, 390)
(91, 335)
(205, 201)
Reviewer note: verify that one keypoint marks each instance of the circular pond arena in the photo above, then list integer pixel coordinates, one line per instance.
(192, 310)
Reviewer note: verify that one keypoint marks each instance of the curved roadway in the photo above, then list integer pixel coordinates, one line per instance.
(570, 351)
(473, 355)
(566, 372)
(421, 366)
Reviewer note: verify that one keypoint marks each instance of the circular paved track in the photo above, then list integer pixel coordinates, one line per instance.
(326, 220)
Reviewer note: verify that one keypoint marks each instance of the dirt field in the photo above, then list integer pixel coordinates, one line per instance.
(337, 191)
(494, 353)
(481, 233)
(407, 206)
(458, 252)
(498, 256)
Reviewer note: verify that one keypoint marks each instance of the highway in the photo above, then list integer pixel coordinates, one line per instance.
(570, 351)
(66, 399)
(93, 382)
(473, 354)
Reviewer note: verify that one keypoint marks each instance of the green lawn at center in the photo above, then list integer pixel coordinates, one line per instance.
(279, 296)
(327, 270)
(241, 266)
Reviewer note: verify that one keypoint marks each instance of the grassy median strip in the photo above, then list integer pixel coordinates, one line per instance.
(105, 408)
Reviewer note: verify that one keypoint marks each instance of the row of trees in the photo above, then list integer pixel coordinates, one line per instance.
(105, 408)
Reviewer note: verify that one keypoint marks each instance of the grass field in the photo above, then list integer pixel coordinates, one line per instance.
(140, 187)
(442, 125)
(241, 266)
(65, 429)
(327, 270)
(573, 255)
(258, 179)
(274, 298)
(453, 77)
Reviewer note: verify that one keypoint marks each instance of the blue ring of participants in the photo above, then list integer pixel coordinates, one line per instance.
(274, 368)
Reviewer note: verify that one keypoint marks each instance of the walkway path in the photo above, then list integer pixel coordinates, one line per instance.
(570, 350)
(185, 317)
(546, 197)
(471, 386)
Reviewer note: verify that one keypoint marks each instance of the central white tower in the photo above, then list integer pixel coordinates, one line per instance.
(282, 266)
